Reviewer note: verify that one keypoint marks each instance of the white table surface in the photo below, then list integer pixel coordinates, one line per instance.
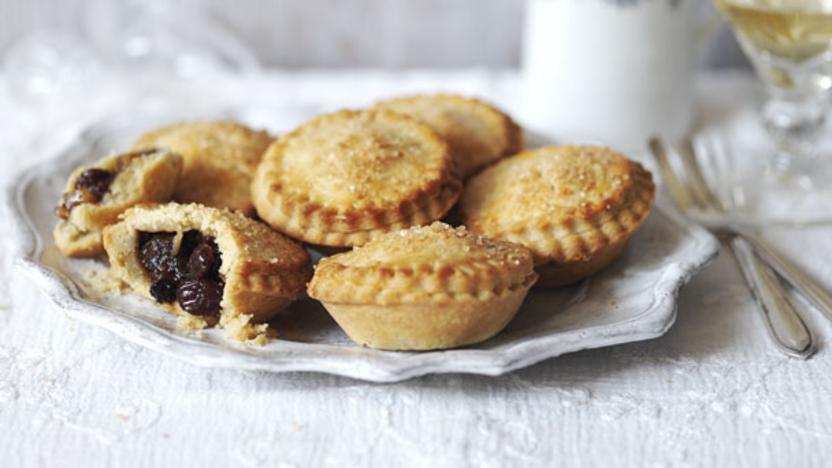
(712, 392)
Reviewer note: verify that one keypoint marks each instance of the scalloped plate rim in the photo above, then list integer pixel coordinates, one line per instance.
(62, 291)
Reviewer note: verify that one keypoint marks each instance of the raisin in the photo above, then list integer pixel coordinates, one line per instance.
(200, 297)
(94, 181)
(191, 276)
(163, 290)
(204, 261)
(144, 237)
(190, 241)
(157, 258)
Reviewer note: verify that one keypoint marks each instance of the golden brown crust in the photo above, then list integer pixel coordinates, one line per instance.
(219, 160)
(433, 263)
(477, 133)
(263, 271)
(557, 274)
(342, 179)
(428, 326)
(566, 204)
(149, 178)
(424, 287)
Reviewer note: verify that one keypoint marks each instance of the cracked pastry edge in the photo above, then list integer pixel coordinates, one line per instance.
(578, 239)
(515, 137)
(80, 234)
(422, 282)
(271, 282)
(256, 276)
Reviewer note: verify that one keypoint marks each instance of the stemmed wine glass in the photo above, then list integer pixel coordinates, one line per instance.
(789, 43)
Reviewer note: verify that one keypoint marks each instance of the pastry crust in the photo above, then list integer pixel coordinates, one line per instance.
(477, 133)
(140, 177)
(574, 207)
(424, 288)
(345, 178)
(219, 160)
(263, 271)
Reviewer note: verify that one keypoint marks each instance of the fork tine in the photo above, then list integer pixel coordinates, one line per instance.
(728, 188)
(677, 189)
(699, 186)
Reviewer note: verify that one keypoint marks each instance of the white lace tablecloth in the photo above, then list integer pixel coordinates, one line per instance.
(712, 392)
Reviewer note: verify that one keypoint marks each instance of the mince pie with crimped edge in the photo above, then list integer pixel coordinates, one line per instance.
(476, 132)
(574, 207)
(345, 178)
(428, 287)
(219, 160)
(96, 195)
(208, 265)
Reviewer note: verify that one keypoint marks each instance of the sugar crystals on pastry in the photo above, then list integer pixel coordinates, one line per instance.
(477, 133)
(97, 194)
(428, 287)
(344, 178)
(575, 207)
(207, 264)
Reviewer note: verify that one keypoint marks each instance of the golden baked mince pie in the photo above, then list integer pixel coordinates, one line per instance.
(96, 195)
(208, 265)
(219, 160)
(428, 287)
(175, 218)
(574, 207)
(478, 133)
(345, 178)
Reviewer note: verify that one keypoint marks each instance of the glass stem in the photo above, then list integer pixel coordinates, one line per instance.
(795, 120)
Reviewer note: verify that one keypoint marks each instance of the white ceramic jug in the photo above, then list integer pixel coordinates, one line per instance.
(613, 72)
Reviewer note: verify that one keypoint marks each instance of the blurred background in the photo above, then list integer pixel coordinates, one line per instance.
(302, 33)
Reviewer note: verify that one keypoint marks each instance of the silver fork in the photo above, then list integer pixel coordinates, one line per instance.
(785, 327)
(809, 289)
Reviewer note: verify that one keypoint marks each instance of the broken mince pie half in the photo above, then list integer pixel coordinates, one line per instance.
(574, 207)
(476, 132)
(342, 179)
(208, 265)
(428, 287)
(219, 160)
(96, 195)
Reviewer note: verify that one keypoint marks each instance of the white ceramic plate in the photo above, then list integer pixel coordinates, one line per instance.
(634, 299)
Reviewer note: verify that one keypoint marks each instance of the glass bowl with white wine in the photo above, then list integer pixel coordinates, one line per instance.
(789, 42)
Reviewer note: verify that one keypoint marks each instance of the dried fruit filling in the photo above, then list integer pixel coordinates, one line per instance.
(90, 187)
(92, 184)
(191, 276)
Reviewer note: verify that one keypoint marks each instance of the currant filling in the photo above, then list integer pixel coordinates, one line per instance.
(92, 184)
(90, 187)
(191, 277)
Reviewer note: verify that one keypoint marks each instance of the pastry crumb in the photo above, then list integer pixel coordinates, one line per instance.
(240, 328)
(192, 322)
(103, 280)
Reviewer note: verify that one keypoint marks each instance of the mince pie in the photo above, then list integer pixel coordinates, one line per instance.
(427, 287)
(477, 133)
(96, 195)
(207, 263)
(575, 207)
(345, 178)
(219, 160)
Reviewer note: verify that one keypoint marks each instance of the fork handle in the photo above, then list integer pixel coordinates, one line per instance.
(810, 289)
(783, 323)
